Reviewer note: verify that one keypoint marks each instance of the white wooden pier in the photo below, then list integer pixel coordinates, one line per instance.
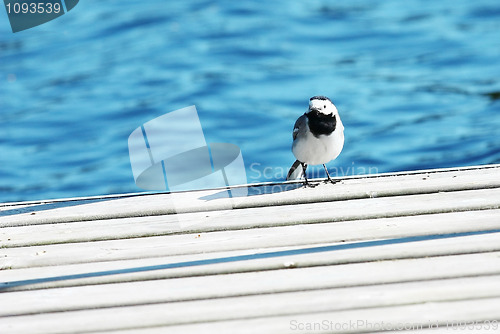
(416, 250)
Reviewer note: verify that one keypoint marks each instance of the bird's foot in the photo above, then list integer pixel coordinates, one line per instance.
(329, 180)
(308, 184)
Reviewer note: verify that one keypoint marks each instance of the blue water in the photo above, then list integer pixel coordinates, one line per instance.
(417, 84)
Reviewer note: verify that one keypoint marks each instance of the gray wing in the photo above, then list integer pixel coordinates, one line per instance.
(300, 126)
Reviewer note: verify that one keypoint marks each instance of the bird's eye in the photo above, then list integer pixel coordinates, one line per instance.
(324, 106)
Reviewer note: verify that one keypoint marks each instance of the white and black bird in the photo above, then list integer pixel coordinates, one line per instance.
(318, 137)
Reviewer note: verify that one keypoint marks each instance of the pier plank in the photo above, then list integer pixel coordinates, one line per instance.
(419, 248)
(249, 239)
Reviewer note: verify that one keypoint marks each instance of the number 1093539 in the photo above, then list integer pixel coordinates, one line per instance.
(33, 8)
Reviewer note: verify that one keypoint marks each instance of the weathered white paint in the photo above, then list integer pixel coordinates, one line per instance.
(418, 248)
(250, 239)
(122, 206)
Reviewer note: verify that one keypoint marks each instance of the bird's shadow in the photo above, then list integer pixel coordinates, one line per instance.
(254, 190)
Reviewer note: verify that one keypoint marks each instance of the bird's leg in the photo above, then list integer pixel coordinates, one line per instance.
(306, 183)
(328, 174)
(304, 167)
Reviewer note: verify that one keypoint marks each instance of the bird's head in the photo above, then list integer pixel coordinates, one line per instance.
(322, 105)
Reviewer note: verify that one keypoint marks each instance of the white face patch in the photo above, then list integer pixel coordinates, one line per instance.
(323, 106)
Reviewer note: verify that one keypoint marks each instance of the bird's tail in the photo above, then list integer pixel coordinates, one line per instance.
(295, 172)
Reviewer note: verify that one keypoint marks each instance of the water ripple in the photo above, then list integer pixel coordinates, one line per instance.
(417, 86)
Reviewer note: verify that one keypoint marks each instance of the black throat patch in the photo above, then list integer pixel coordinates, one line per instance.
(321, 124)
